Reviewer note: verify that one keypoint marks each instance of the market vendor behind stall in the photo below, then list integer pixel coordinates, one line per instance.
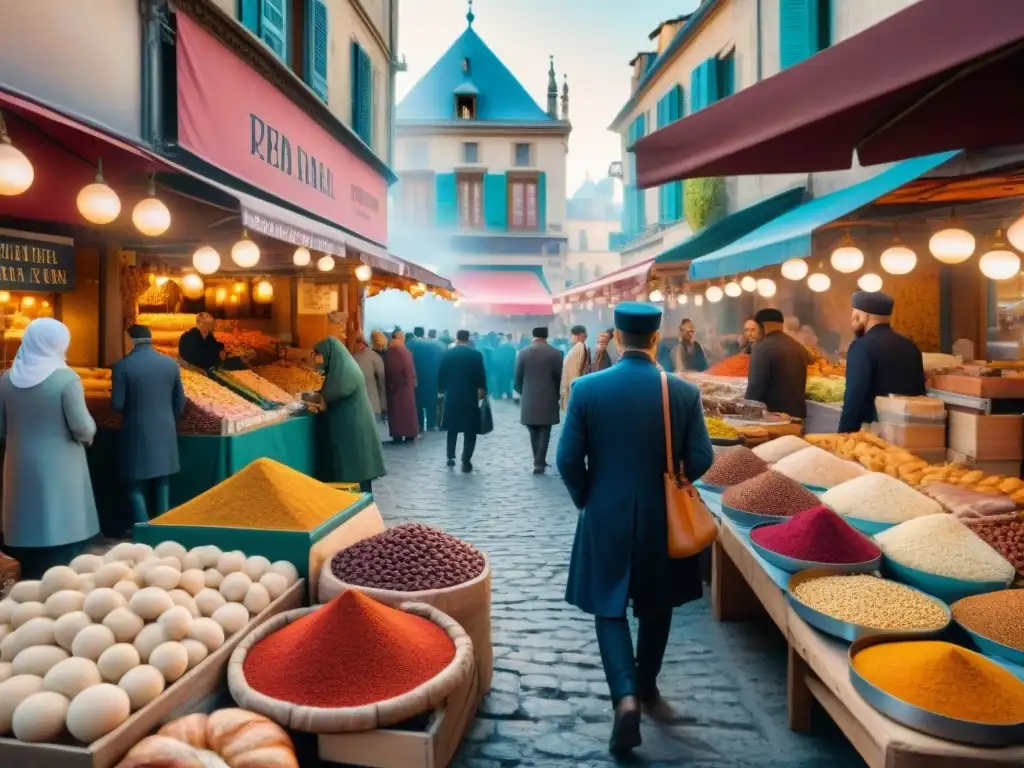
(880, 362)
(778, 367)
(199, 347)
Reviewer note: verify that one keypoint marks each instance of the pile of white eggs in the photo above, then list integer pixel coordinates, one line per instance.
(92, 642)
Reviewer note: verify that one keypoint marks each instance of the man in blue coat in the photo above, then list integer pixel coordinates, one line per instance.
(463, 382)
(426, 357)
(611, 457)
(880, 361)
(146, 390)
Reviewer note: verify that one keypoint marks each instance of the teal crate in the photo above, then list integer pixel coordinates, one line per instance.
(293, 546)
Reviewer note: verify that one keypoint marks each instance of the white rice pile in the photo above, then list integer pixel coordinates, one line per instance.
(943, 546)
(880, 498)
(780, 448)
(814, 466)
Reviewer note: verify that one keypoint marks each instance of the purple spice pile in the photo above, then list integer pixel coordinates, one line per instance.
(408, 558)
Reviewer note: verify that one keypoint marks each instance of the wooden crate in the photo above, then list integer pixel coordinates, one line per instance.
(994, 387)
(986, 437)
(432, 747)
(912, 436)
(179, 699)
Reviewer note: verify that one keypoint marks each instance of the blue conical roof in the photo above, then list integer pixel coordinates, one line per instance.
(501, 97)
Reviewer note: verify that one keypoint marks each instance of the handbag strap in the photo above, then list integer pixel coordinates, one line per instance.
(667, 417)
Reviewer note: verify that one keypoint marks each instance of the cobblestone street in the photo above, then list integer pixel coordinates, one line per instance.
(549, 704)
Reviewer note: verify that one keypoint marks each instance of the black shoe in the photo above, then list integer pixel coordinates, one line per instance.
(451, 462)
(626, 728)
(538, 470)
(467, 466)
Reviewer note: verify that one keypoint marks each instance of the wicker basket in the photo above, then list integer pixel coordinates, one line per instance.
(362, 718)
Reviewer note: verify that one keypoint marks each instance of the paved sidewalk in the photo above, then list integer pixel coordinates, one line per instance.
(549, 705)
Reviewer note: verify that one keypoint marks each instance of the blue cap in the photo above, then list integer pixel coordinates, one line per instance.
(875, 303)
(634, 317)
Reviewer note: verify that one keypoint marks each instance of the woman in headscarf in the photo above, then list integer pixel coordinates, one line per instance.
(379, 342)
(49, 513)
(354, 454)
(400, 377)
(372, 366)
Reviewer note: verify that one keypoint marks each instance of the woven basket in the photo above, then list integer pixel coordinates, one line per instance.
(468, 603)
(367, 717)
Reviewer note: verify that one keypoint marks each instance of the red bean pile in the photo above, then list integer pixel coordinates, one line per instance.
(408, 558)
(734, 466)
(770, 493)
(1006, 538)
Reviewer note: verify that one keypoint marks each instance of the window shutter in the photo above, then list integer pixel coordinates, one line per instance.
(274, 25)
(249, 15)
(495, 201)
(316, 47)
(675, 102)
(697, 88)
(447, 200)
(712, 89)
(542, 202)
(799, 26)
(366, 95)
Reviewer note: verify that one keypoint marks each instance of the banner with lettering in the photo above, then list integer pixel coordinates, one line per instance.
(35, 262)
(231, 117)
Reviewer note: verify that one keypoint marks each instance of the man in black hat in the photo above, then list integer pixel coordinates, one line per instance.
(463, 382)
(778, 367)
(880, 361)
(614, 471)
(146, 389)
(538, 371)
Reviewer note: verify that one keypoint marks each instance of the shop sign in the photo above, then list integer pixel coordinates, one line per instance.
(231, 117)
(34, 262)
(316, 299)
(286, 233)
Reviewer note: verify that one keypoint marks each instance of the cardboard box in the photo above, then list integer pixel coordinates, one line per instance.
(1005, 467)
(179, 699)
(911, 436)
(994, 387)
(910, 410)
(986, 437)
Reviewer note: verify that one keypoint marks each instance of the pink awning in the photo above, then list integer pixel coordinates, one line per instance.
(504, 292)
(630, 276)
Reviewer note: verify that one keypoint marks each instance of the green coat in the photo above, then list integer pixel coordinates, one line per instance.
(354, 451)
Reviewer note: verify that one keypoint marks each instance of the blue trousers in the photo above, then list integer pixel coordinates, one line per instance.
(159, 491)
(629, 674)
(35, 561)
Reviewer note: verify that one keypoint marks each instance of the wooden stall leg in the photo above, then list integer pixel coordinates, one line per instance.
(732, 599)
(799, 699)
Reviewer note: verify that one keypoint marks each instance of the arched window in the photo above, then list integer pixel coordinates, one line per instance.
(584, 243)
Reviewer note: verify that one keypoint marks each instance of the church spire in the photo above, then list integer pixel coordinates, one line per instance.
(470, 16)
(552, 89)
(565, 97)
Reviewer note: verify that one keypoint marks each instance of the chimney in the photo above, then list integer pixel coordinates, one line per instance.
(552, 90)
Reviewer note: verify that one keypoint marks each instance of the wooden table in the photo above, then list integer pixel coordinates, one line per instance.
(744, 586)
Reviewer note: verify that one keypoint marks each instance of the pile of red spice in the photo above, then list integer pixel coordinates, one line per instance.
(352, 651)
(817, 535)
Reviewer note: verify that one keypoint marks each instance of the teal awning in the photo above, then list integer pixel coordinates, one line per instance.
(789, 235)
(732, 227)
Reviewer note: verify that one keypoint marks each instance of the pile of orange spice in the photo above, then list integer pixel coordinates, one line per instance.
(350, 652)
(945, 679)
(737, 365)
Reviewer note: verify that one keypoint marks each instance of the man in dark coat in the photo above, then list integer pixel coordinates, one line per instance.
(778, 368)
(880, 361)
(400, 381)
(504, 366)
(146, 389)
(538, 374)
(463, 382)
(614, 471)
(198, 347)
(426, 357)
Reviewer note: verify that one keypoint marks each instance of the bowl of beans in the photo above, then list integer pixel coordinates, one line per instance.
(994, 622)
(768, 496)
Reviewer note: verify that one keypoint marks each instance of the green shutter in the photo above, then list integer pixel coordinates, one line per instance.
(712, 88)
(542, 202)
(726, 76)
(447, 209)
(316, 47)
(249, 15)
(495, 201)
(274, 26)
(663, 190)
(800, 30)
(362, 93)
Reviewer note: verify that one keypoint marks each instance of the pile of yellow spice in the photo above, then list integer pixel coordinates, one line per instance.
(266, 495)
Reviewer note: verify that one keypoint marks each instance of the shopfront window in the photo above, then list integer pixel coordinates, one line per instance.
(20, 309)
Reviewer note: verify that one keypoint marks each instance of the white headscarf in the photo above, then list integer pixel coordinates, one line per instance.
(43, 350)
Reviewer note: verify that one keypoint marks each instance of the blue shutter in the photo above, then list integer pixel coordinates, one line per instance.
(447, 208)
(274, 25)
(362, 93)
(542, 202)
(726, 76)
(799, 31)
(712, 87)
(316, 47)
(249, 15)
(641, 194)
(495, 201)
(663, 191)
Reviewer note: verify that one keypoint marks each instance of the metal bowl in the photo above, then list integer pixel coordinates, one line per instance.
(943, 587)
(702, 486)
(990, 647)
(748, 519)
(843, 629)
(727, 442)
(795, 565)
(815, 489)
(870, 527)
(926, 721)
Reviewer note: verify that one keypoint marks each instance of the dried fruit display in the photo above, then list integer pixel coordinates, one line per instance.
(209, 404)
(245, 344)
(167, 321)
(822, 367)
(290, 377)
(94, 380)
(261, 386)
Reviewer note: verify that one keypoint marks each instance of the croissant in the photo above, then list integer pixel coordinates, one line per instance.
(162, 752)
(248, 740)
(190, 729)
